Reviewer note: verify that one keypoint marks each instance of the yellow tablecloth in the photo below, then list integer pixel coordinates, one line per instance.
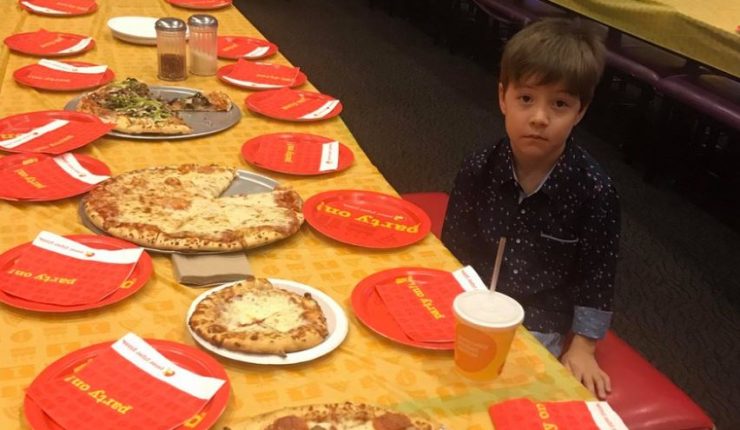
(700, 30)
(366, 368)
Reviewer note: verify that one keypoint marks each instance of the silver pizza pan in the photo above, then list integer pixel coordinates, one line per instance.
(244, 183)
(202, 123)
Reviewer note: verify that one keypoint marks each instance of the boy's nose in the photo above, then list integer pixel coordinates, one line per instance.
(539, 117)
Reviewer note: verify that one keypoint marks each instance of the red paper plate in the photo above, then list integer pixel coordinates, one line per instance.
(370, 309)
(367, 218)
(135, 282)
(57, 185)
(43, 78)
(82, 129)
(200, 4)
(294, 105)
(59, 7)
(223, 74)
(186, 356)
(47, 44)
(235, 47)
(297, 153)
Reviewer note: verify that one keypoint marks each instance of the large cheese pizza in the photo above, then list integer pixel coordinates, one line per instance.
(179, 208)
(254, 316)
(132, 108)
(337, 416)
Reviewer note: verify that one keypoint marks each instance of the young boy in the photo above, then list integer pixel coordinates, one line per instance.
(556, 207)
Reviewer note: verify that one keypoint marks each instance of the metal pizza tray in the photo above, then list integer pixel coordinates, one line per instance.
(202, 123)
(244, 183)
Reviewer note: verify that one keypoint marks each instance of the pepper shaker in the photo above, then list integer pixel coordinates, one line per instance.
(203, 44)
(171, 47)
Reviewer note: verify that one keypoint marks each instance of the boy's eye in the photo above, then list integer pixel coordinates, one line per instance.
(561, 103)
(525, 98)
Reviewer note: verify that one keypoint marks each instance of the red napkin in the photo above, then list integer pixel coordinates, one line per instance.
(240, 46)
(129, 386)
(298, 156)
(49, 42)
(524, 414)
(69, 6)
(54, 136)
(264, 73)
(63, 272)
(424, 310)
(294, 104)
(41, 76)
(41, 177)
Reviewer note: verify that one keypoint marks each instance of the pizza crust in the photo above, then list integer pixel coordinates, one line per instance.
(255, 317)
(338, 416)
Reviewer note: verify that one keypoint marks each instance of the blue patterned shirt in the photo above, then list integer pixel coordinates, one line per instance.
(562, 240)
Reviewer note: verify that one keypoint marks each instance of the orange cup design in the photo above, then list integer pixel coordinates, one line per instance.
(485, 324)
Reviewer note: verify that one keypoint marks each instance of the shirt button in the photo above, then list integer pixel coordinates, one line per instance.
(523, 211)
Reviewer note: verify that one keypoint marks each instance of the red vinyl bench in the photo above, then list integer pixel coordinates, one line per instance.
(644, 397)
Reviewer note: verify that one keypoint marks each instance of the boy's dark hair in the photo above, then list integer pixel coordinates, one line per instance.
(555, 50)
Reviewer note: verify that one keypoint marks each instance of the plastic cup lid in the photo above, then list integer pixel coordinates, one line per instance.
(489, 310)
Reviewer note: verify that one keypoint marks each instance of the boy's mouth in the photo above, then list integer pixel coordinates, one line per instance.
(535, 136)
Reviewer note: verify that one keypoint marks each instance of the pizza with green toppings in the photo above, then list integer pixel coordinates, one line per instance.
(133, 109)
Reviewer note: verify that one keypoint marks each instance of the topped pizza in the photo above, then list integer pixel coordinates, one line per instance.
(337, 416)
(132, 107)
(256, 317)
(179, 208)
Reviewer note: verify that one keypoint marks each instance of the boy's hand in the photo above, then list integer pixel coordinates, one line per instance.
(580, 360)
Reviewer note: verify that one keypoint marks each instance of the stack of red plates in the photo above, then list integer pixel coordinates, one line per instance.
(63, 75)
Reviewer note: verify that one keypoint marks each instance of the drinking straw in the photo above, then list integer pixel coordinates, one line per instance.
(497, 264)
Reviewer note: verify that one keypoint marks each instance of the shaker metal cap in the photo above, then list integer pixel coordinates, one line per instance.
(202, 21)
(170, 24)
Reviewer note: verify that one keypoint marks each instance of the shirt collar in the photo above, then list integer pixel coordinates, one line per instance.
(560, 174)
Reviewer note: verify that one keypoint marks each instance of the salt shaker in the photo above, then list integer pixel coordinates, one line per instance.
(171, 47)
(203, 44)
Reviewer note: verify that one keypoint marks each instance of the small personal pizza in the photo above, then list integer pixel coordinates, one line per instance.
(178, 208)
(133, 109)
(254, 316)
(338, 416)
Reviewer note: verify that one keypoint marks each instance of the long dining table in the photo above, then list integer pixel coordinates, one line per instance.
(706, 32)
(366, 367)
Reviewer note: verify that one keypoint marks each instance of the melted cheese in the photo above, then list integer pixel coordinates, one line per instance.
(263, 313)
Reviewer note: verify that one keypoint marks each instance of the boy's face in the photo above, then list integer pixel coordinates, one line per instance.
(539, 119)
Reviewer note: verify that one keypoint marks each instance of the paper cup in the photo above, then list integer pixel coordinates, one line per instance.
(485, 324)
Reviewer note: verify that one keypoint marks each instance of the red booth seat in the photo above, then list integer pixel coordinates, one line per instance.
(644, 397)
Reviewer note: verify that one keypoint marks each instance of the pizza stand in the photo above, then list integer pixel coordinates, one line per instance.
(367, 360)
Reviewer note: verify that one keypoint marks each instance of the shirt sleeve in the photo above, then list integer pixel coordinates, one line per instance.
(590, 322)
(460, 232)
(597, 256)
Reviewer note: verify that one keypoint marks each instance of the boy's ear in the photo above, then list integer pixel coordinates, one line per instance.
(582, 113)
(501, 101)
